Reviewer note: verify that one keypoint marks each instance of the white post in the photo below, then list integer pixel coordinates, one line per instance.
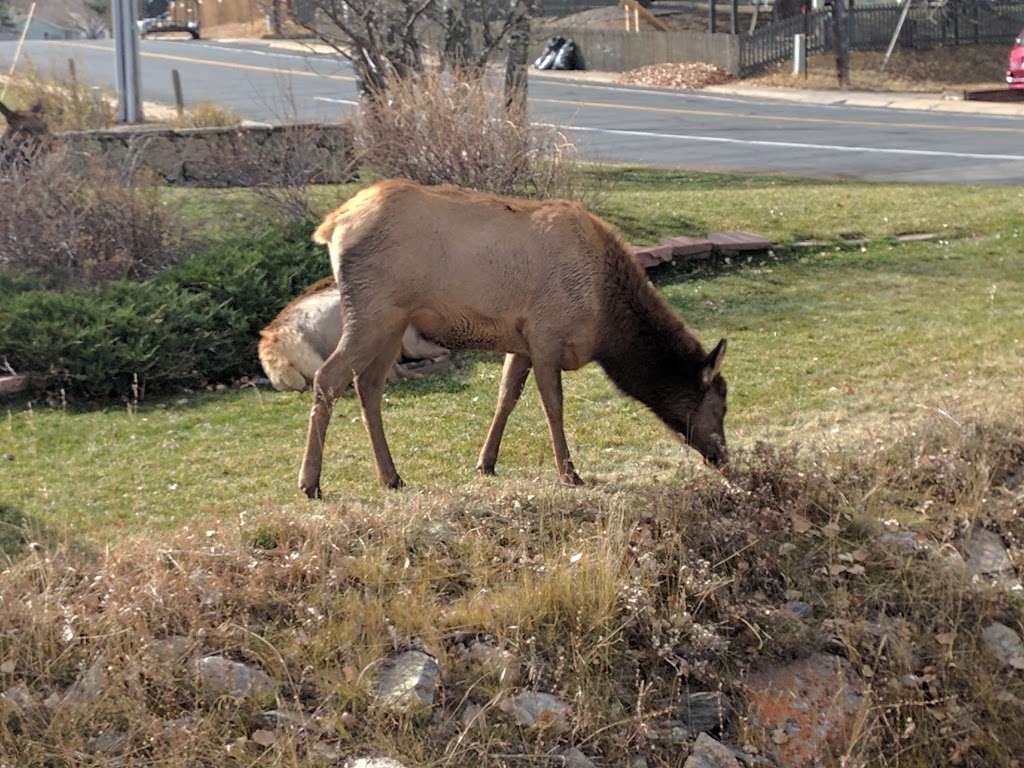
(799, 55)
(126, 50)
(17, 51)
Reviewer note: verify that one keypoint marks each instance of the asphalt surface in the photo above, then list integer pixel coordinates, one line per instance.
(610, 123)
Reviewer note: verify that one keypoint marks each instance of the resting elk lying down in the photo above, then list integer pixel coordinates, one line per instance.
(546, 282)
(296, 342)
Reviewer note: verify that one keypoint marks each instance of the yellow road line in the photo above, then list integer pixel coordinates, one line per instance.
(774, 118)
(228, 64)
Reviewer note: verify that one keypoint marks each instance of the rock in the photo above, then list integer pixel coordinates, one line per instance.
(806, 710)
(263, 738)
(638, 761)
(1005, 644)
(672, 732)
(988, 561)
(407, 680)
(540, 709)
(573, 758)
(798, 608)
(171, 650)
(324, 751)
(733, 243)
(11, 385)
(289, 721)
(374, 762)
(18, 700)
(110, 742)
(222, 677)
(85, 690)
(652, 255)
(703, 711)
(495, 662)
(690, 247)
(708, 753)
(469, 714)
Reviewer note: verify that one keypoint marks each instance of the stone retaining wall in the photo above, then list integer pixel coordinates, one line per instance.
(240, 156)
(615, 50)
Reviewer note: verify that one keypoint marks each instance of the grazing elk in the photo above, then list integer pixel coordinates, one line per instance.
(25, 133)
(546, 282)
(296, 342)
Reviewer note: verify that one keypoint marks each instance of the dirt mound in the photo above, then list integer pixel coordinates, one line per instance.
(683, 77)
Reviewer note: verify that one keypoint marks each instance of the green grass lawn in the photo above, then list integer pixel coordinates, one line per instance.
(825, 345)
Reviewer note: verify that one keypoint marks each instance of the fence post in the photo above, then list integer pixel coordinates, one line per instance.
(712, 21)
(799, 55)
(734, 11)
(179, 96)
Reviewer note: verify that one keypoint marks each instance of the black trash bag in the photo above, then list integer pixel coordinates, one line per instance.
(547, 59)
(566, 56)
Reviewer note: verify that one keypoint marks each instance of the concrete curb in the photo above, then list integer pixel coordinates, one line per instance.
(920, 103)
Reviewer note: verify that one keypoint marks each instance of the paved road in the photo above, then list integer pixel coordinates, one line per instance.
(610, 123)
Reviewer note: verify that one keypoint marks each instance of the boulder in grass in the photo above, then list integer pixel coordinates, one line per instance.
(732, 243)
(690, 247)
(652, 255)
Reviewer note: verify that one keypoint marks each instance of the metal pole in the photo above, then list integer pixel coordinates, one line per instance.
(712, 21)
(734, 11)
(126, 50)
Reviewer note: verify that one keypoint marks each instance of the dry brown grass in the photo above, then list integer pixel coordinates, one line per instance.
(438, 129)
(933, 70)
(618, 602)
(206, 114)
(67, 104)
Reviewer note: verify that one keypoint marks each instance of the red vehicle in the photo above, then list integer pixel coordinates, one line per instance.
(1015, 74)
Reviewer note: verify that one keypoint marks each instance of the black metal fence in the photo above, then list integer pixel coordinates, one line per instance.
(773, 43)
(871, 28)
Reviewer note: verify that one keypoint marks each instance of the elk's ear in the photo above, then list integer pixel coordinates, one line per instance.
(713, 364)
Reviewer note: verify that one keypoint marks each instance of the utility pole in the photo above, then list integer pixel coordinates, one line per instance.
(126, 51)
(841, 35)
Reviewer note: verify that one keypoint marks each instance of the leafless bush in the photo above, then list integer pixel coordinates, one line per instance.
(283, 169)
(439, 128)
(75, 221)
(207, 114)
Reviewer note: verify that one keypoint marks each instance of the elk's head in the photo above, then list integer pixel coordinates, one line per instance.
(699, 418)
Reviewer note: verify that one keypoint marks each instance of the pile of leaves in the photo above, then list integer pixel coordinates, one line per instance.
(688, 76)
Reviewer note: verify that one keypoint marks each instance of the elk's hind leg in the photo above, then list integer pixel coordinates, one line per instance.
(370, 386)
(548, 375)
(355, 352)
(513, 378)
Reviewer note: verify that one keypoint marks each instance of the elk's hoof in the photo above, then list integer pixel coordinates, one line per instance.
(571, 478)
(312, 491)
(394, 484)
(485, 471)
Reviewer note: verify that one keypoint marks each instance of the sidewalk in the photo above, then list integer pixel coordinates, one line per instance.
(926, 102)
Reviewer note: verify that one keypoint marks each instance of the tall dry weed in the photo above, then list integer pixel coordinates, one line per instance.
(444, 128)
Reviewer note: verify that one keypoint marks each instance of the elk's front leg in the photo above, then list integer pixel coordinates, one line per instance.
(370, 386)
(513, 378)
(549, 382)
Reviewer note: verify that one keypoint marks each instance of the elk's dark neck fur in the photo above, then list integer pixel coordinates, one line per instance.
(647, 350)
